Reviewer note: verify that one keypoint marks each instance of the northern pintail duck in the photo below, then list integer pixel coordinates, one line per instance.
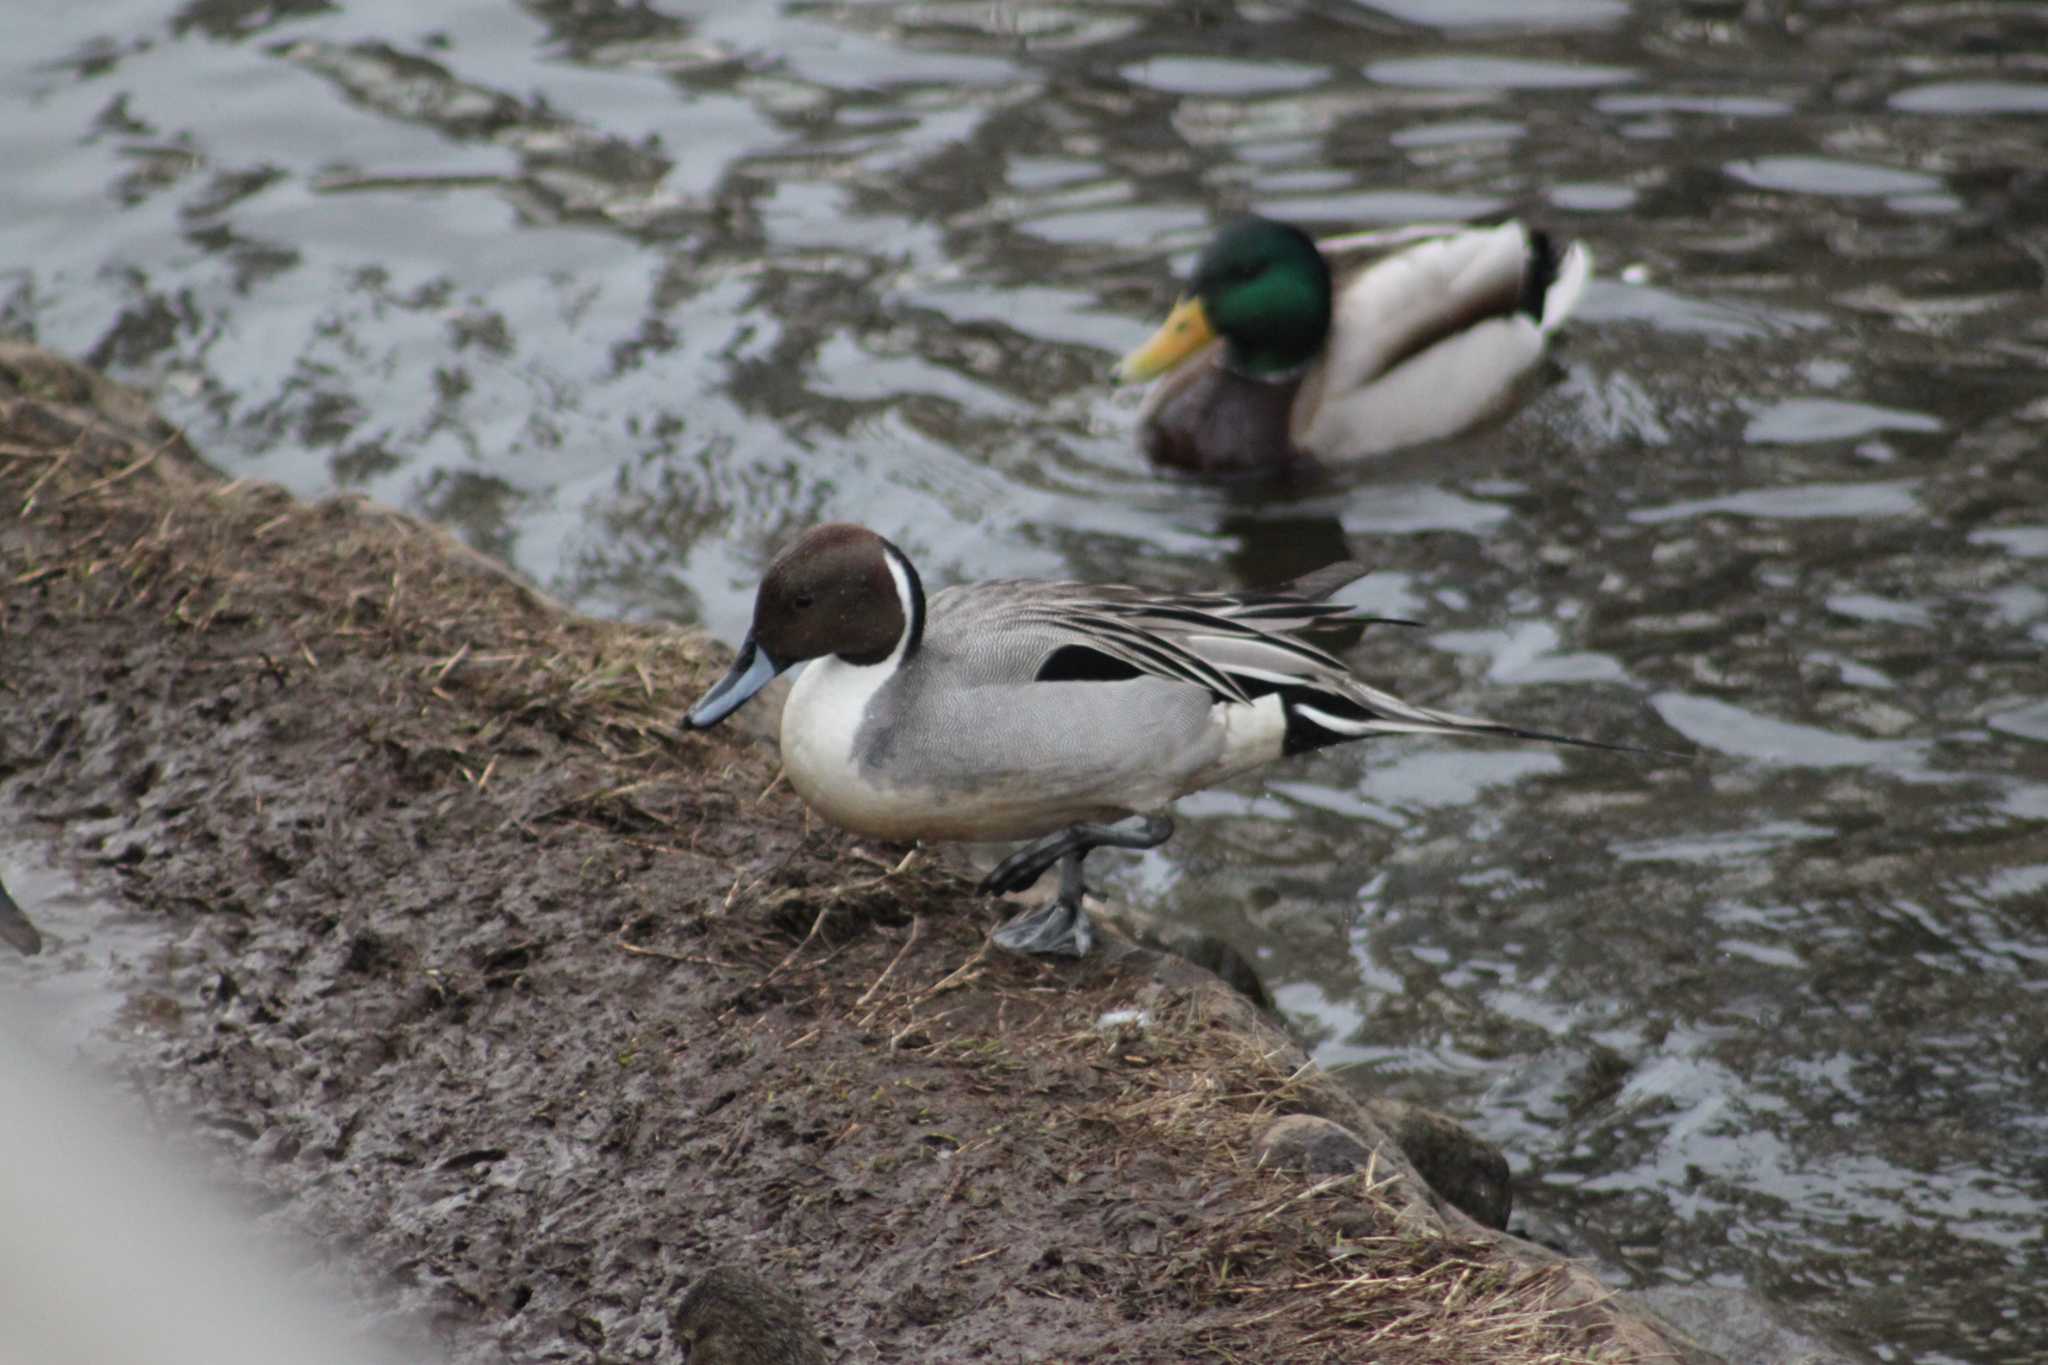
(1269, 359)
(1069, 714)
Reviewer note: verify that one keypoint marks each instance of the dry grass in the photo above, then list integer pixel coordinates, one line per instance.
(1341, 1268)
(1337, 1260)
(345, 576)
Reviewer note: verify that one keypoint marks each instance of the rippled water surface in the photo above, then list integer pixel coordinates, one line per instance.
(631, 292)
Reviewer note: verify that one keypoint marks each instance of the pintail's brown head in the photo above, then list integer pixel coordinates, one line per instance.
(840, 590)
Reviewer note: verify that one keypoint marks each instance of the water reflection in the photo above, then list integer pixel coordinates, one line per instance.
(1973, 97)
(1496, 74)
(1894, 498)
(630, 294)
(1827, 176)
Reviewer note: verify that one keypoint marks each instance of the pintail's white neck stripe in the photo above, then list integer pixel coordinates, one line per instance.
(910, 597)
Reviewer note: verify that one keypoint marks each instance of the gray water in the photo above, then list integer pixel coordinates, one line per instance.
(629, 294)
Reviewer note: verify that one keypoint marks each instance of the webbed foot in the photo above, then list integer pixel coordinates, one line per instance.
(1061, 927)
(1054, 929)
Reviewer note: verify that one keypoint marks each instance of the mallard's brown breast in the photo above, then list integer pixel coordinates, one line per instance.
(1210, 420)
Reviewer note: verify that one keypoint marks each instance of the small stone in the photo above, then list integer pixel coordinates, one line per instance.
(1740, 1328)
(733, 1317)
(1319, 1146)
(1468, 1171)
(1205, 950)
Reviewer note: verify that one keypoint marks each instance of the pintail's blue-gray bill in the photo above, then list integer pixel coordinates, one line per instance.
(751, 672)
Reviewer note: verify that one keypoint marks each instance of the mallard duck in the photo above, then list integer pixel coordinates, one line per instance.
(1270, 359)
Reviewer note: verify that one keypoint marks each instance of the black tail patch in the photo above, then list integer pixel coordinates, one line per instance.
(1303, 734)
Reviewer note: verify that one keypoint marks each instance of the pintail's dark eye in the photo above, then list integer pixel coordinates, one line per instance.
(803, 600)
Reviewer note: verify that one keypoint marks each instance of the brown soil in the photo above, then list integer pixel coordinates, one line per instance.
(541, 1013)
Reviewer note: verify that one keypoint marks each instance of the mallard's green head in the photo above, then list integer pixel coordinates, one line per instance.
(1264, 287)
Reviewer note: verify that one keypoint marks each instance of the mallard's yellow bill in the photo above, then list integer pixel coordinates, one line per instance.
(1185, 331)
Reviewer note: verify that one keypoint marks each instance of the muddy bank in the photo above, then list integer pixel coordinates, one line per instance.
(538, 1014)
